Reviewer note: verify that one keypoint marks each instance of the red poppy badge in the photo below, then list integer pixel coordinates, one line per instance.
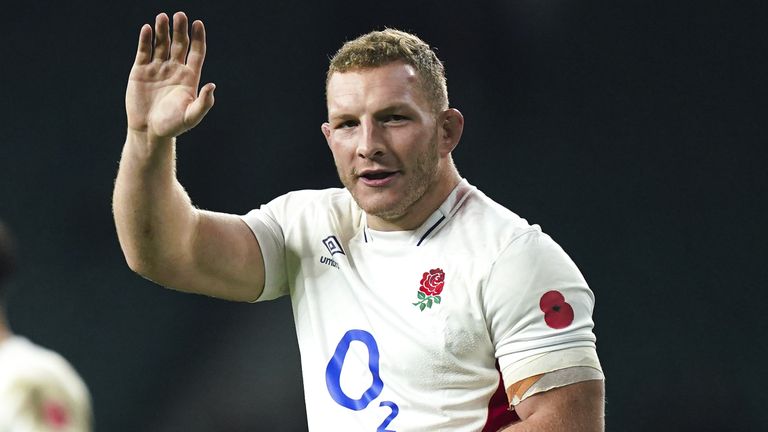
(558, 314)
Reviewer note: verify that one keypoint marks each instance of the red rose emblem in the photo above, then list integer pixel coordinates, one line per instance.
(431, 286)
(432, 282)
(558, 314)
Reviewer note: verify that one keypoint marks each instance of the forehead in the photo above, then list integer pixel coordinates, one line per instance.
(394, 83)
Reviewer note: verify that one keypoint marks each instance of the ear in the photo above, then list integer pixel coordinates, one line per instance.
(326, 129)
(451, 126)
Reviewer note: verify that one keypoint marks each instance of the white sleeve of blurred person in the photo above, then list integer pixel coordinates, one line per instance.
(40, 390)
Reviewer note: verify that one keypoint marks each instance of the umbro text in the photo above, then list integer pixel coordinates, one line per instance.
(328, 261)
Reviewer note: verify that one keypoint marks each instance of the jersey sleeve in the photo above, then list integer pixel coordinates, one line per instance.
(40, 390)
(265, 225)
(539, 310)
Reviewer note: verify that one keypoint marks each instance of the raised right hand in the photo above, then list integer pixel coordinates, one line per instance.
(162, 99)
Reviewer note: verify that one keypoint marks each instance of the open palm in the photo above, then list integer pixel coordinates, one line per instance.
(162, 98)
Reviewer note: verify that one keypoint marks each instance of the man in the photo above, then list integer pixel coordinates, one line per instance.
(39, 389)
(413, 293)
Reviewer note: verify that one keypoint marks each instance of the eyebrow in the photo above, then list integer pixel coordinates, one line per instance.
(398, 106)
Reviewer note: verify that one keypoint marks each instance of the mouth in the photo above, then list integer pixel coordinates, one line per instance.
(377, 177)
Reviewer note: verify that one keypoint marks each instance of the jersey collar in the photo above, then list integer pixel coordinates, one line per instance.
(434, 222)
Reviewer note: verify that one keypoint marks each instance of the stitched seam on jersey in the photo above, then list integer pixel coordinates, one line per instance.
(556, 341)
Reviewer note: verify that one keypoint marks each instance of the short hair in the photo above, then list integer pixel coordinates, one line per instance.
(379, 48)
(7, 255)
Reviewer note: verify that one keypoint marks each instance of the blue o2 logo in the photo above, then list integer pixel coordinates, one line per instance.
(333, 376)
(333, 371)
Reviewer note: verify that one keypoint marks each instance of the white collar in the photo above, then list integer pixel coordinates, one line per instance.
(435, 221)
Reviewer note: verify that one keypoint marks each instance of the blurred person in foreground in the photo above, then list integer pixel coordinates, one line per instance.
(420, 304)
(39, 390)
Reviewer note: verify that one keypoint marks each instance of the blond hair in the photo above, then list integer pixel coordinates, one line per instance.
(379, 48)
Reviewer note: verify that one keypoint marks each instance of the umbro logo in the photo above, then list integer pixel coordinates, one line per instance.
(334, 247)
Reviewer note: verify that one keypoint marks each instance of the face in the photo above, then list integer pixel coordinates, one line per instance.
(389, 146)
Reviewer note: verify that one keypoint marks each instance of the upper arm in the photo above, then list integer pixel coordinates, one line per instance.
(575, 407)
(224, 259)
(540, 315)
(539, 311)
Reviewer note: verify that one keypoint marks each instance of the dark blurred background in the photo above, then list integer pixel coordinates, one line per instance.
(633, 132)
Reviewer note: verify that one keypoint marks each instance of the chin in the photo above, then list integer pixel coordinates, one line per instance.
(382, 210)
(389, 208)
(389, 215)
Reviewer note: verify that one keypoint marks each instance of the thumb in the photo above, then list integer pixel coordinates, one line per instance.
(200, 106)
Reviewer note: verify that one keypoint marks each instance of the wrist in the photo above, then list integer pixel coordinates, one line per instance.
(148, 146)
(145, 137)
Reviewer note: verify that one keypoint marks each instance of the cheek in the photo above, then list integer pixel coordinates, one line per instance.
(413, 141)
(341, 153)
(342, 159)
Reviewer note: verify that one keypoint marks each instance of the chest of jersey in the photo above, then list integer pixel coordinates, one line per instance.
(394, 324)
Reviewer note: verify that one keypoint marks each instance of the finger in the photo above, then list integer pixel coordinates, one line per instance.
(162, 38)
(180, 43)
(144, 51)
(197, 50)
(200, 107)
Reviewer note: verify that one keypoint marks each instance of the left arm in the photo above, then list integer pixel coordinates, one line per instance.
(576, 407)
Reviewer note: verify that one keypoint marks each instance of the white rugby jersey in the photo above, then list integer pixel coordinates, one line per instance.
(404, 331)
(40, 391)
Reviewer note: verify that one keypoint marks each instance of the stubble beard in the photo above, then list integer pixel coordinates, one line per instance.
(422, 177)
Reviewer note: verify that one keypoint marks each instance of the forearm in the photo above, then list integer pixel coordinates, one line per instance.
(154, 217)
(576, 407)
(164, 238)
(554, 424)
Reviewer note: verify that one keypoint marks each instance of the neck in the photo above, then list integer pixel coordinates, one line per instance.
(422, 209)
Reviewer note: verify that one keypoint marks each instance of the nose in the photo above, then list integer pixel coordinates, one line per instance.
(371, 141)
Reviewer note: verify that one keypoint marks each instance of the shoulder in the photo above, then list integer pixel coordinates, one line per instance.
(484, 223)
(295, 204)
(20, 354)
(302, 211)
(26, 361)
(30, 369)
(495, 238)
(312, 199)
(481, 205)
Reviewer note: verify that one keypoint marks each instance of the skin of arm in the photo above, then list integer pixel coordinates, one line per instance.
(578, 407)
(163, 236)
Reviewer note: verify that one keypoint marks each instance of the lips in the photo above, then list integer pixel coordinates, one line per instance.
(376, 177)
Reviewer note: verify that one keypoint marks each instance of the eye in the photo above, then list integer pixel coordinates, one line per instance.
(346, 124)
(395, 118)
